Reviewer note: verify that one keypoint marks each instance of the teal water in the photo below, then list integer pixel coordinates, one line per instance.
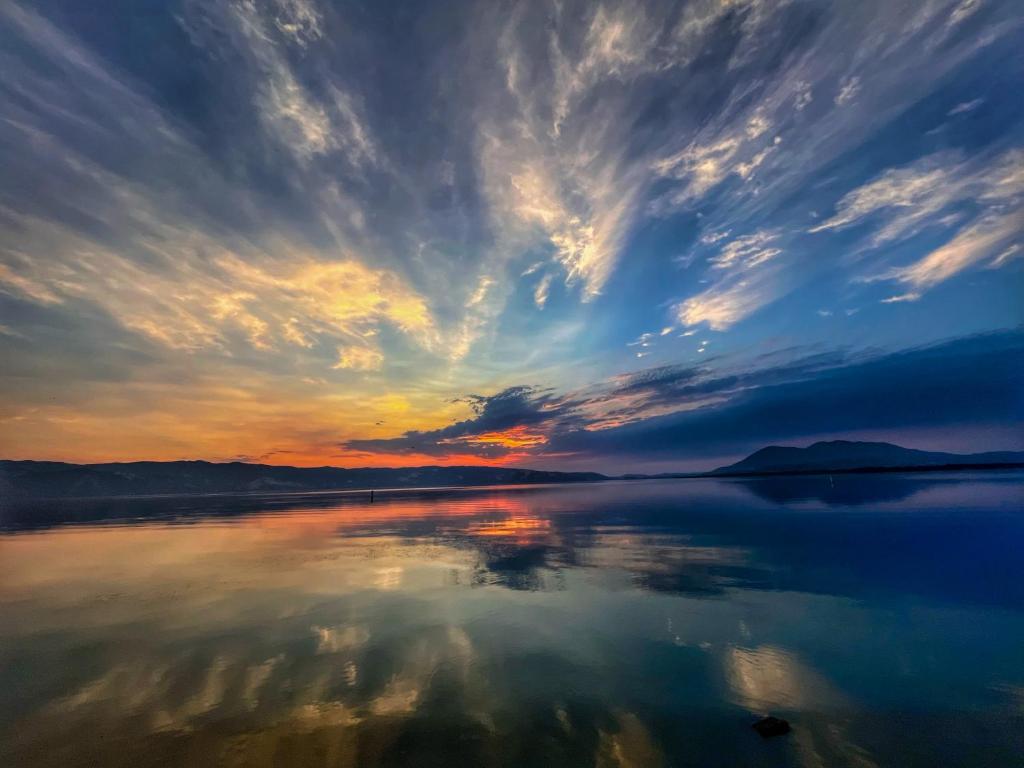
(621, 624)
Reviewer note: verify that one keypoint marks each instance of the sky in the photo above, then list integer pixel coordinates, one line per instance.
(641, 236)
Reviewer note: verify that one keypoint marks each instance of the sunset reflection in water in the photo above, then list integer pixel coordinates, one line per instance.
(622, 624)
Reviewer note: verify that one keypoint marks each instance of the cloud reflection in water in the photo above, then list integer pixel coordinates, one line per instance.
(622, 624)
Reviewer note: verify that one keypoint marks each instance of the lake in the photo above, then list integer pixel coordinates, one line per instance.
(615, 624)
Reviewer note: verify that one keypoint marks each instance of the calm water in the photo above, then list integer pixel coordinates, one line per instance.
(625, 624)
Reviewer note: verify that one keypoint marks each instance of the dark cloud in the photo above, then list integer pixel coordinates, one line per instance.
(520, 406)
(977, 380)
(678, 385)
(511, 407)
(971, 381)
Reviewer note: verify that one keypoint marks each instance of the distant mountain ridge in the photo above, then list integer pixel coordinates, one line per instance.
(52, 479)
(848, 455)
(145, 478)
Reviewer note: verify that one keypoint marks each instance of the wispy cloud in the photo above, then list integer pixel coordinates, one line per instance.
(965, 106)
(701, 167)
(963, 10)
(904, 199)
(359, 358)
(1014, 251)
(268, 299)
(540, 293)
(973, 244)
(747, 252)
(985, 198)
(848, 90)
(299, 19)
(727, 303)
(560, 164)
(746, 282)
(258, 34)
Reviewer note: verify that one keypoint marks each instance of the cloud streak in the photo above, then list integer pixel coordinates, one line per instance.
(986, 200)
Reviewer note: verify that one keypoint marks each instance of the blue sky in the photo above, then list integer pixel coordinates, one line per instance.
(550, 234)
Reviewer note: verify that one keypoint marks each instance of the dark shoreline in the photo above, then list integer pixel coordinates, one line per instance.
(19, 496)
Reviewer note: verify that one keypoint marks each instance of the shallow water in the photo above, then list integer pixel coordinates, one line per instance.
(621, 624)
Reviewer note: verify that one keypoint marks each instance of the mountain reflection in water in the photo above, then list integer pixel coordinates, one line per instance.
(620, 624)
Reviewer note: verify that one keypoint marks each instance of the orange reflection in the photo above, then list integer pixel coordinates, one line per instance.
(355, 512)
(521, 529)
(504, 517)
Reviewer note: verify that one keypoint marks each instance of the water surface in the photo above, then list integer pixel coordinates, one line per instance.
(620, 624)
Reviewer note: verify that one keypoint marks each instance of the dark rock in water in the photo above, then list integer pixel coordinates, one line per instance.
(771, 726)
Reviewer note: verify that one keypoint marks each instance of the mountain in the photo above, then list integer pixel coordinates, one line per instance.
(59, 480)
(852, 456)
(51, 479)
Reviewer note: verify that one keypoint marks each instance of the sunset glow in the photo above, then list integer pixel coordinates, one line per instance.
(640, 236)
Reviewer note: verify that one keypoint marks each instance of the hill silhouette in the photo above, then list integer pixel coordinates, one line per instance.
(857, 456)
(146, 478)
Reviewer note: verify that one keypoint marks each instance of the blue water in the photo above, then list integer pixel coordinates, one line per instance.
(620, 624)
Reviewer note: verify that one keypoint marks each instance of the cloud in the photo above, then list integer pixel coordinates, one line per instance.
(503, 426)
(963, 10)
(584, 218)
(692, 410)
(970, 381)
(686, 387)
(559, 165)
(13, 282)
(804, 96)
(204, 290)
(902, 297)
(911, 194)
(552, 159)
(299, 20)
(848, 90)
(359, 359)
(701, 167)
(965, 106)
(983, 197)
(747, 252)
(970, 246)
(540, 293)
(746, 283)
(306, 125)
(724, 305)
(162, 245)
(1013, 252)
(643, 340)
(710, 238)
